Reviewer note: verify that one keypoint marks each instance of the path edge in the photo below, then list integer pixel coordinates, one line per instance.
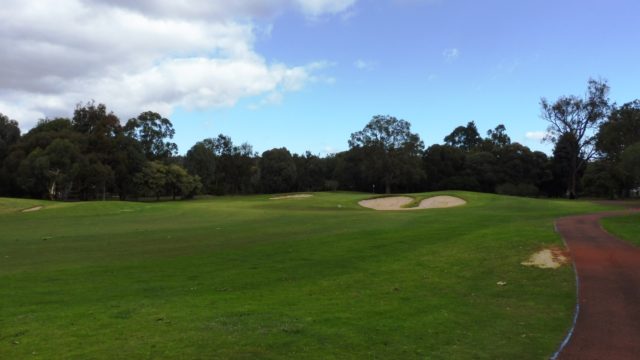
(576, 310)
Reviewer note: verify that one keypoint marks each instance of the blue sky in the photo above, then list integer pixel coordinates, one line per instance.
(314, 71)
(437, 64)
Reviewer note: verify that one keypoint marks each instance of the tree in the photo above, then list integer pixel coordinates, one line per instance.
(223, 167)
(151, 130)
(128, 160)
(616, 135)
(9, 135)
(564, 159)
(277, 171)
(498, 137)
(621, 130)
(179, 182)
(578, 118)
(201, 161)
(310, 169)
(92, 119)
(481, 166)
(466, 138)
(442, 162)
(152, 179)
(51, 171)
(631, 163)
(391, 151)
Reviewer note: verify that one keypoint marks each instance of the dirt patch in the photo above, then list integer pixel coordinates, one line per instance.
(397, 203)
(32, 209)
(551, 258)
(296, 196)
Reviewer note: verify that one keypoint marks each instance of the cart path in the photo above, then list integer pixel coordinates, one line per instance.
(608, 273)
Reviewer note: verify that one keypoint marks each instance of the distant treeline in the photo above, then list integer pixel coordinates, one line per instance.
(95, 156)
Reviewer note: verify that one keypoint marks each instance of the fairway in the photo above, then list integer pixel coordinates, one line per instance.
(306, 277)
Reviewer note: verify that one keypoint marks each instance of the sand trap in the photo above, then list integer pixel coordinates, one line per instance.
(397, 203)
(551, 258)
(32, 209)
(441, 202)
(297, 196)
(387, 203)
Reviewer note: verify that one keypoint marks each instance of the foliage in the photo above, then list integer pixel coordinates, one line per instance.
(9, 135)
(630, 163)
(151, 130)
(466, 138)
(108, 159)
(277, 171)
(621, 130)
(391, 152)
(575, 120)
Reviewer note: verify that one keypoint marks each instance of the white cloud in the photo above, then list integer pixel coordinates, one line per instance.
(364, 65)
(321, 7)
(535, 135)
(142, 55)
(451, 54)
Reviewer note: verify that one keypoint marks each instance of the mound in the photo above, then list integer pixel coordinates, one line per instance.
(397, 203)
(296, 196)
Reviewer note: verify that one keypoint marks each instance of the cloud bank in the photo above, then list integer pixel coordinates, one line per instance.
(147, 54)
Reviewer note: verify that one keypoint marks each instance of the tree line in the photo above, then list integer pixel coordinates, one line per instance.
(94, 156)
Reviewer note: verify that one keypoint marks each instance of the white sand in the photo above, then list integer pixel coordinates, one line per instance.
(441, 202)
(396, 203)
(296, 196)
(35, 208)
(386, 203)
(551, 258)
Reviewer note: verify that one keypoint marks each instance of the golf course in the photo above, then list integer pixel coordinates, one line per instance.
(313, 277)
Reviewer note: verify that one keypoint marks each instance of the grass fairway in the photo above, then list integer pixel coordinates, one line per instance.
(249, 277)
(625, 227)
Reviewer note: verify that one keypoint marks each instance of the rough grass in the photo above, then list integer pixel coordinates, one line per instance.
(314, 278)
(625, 227)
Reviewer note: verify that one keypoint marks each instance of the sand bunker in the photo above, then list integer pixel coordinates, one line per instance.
(551, 258)
(387, 203)
(32, 209)
(441, 202)
(296, 196)
(397, 203)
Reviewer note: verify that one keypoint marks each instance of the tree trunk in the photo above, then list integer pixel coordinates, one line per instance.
(574, 175)
(572, 187)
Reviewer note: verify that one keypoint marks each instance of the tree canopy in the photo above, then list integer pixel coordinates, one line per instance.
(93, 156)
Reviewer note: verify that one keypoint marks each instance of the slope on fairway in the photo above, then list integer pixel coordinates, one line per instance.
(249, 277)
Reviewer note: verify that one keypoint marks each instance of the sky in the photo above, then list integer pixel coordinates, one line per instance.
(305, 74)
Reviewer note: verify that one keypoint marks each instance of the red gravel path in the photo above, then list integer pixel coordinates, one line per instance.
(608, 270)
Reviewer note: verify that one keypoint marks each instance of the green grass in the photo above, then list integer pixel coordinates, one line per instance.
(625, 227)
(312, 278)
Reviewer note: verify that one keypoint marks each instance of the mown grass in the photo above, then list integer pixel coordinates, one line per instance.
(313, 278)
(625, 227)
